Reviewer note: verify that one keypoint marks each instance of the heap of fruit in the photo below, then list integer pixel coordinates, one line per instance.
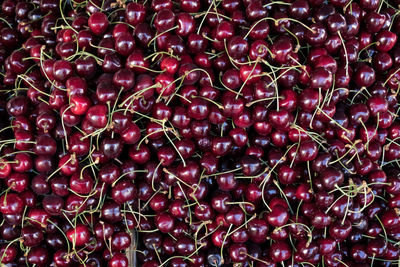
(223, 132)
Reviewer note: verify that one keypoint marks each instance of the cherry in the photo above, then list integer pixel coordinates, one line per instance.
(235, 216)
(17, 106)
(38, 217)
(364, 76)
(59, 185)
(135, 13)
(238, 252)
(279, 251)
(111, 148)
(17, 181)
(231, 79)
(278, 216)
(53, 204)
(97, 115)
(221, 145)
(190, 6)
(23, 163)
(318, 34)
(377, 247)
(38, 256)
(45, 145)
(11, 204)
(164, 20)
(85, 67)
(123, 191)
(321, 220)
(31, 236)
(185, 246)
(9, 253)
(237, 47)
(17, 62)
(5, 169)
(164, 222)
(321, 78)
(62, 70)
(68, 164)
(78, 236)
(203, 211)
(10, 37)
(120, 241)
(98, 23)
(385, 40)
(118, 260)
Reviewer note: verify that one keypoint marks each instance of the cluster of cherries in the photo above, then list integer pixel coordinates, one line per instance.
(221, 132)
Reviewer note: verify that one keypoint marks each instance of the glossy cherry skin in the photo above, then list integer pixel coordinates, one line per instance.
(279, 251)
(62, 70)
(386, 40)
(31, 236)
(238, 252)
(135, 13)
(118, 260)
(321, 78)
(78, 236)
(278, 216)
(38, 256)
(11, 204)
(9, 252)
(98, 23)
(120, 241)
(364, 76)
(318, 36)
(164, 222)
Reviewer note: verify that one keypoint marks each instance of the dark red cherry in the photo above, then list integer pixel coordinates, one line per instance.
(79, 235)
(125, 44)
(62, 70)
(279, 251)
(135, 13)
(364, 76)
(38, 256)
(237, 47)
(11, 204)
(278, 216)
(385, 40)
(318, 34)
(118, 260)
(98, 23)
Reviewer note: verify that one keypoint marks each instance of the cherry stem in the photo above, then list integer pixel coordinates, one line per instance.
(159, 34)
(345, 53)
(8, 245)
(173, 144)
(277, 3)
(383, 227)
(63, 126)
(276, 21)
(223, 243)
(63, 17)
(101, 47)
(176, 177)
(204, 17)
(59, 168)
(249, 104)
(247, 78)
(209, 100)
(155, 54)
(282, 194)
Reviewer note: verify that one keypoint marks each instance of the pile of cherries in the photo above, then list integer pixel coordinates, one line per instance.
(199, 133)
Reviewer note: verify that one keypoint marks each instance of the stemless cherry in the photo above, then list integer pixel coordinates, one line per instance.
(98, 23)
